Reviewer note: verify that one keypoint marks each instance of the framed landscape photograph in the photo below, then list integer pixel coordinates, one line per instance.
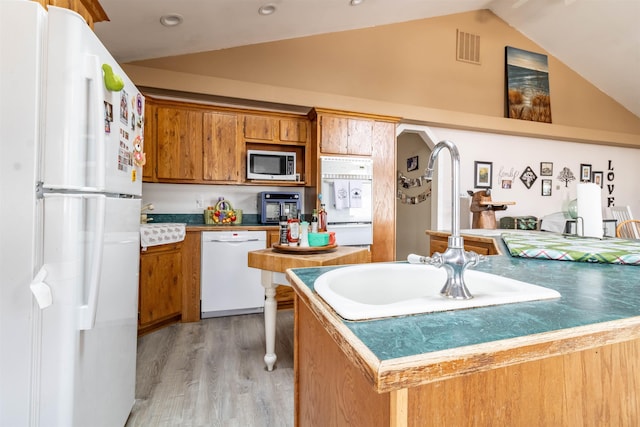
(483, 172)
(527, 91)
(546, 169)
(546, 187)
(585, 172)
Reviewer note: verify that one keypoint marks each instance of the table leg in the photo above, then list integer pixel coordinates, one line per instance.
(270, 308)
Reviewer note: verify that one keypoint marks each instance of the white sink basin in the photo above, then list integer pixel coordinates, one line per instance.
(161, 233)
(369, 291)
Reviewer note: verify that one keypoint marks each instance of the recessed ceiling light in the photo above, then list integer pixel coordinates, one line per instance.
(267, 9)
(171, 20)
(355, 2)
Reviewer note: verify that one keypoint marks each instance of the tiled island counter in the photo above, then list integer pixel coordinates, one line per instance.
(574, 361)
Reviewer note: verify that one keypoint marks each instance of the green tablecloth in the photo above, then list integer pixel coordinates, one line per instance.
(571, 248)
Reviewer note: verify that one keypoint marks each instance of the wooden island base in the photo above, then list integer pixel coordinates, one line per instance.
(595, 387)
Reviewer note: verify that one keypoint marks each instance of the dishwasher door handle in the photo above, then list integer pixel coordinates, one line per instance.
(232, 240)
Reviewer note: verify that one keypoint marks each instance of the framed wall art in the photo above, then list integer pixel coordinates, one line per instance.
(597, 178)
(585, 172)
(527, 91)
(546, 187)
(412, 163)
(483, 173)
(546, 169)
(528, 177)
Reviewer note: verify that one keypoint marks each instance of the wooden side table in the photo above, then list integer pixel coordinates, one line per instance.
(271, 262)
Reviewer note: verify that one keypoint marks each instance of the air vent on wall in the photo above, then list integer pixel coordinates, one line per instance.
(468, 47)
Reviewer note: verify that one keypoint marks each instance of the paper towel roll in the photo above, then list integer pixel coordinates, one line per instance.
(589, 221)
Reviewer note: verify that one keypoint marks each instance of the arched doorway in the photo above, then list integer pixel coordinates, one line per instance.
(414, 213)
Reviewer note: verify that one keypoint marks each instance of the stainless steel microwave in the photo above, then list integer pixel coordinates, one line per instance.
(271, 165)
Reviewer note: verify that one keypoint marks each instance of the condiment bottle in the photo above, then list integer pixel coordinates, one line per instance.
(283, 230)
(293, 232)
(314, 221)
(322, 219)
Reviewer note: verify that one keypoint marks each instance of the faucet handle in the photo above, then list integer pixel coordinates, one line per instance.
(474, 258)
(416, 259)
(435, 260)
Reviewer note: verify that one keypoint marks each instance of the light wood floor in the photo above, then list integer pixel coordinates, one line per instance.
(212, 373)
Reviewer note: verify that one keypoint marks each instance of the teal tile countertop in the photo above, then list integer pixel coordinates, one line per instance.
(591, 294)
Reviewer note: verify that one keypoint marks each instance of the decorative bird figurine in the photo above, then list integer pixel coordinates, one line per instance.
(112, 81)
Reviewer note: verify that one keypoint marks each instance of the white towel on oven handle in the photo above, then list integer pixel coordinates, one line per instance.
(341, 193)
(355, 193)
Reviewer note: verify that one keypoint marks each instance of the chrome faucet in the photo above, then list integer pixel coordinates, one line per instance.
(455, 259)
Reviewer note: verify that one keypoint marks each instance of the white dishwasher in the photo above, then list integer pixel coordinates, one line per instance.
(227, 285)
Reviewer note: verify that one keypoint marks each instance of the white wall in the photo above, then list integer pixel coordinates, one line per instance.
(183, 198)
(515, 153)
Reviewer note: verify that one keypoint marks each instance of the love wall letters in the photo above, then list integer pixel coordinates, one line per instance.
(611, 200)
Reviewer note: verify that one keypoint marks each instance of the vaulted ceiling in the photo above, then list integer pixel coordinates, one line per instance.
(599, 39)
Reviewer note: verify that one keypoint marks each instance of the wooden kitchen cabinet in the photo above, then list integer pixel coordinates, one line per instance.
(293, 130)
(221, 151)
(273, 132)
(345, 135)
(275, 129)
(258, 127)
(199, 144)
(178, 143)
(90, 10)
(149, 142)
(161, 287)
(482, 245)
(272, 237)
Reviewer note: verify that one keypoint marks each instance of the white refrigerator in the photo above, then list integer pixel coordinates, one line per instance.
(71, 143)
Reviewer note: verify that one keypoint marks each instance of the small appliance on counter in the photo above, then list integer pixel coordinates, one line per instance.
(273, 204)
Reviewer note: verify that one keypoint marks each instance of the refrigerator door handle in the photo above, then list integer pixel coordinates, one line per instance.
(40, 289)
(96, 117)
(87, 312)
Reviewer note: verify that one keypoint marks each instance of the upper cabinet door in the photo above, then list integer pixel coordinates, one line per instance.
(345, 135)
(179, 148)
(221, 150)
(334, 135)
(258, 127)
(360, 137)
(294, 130)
